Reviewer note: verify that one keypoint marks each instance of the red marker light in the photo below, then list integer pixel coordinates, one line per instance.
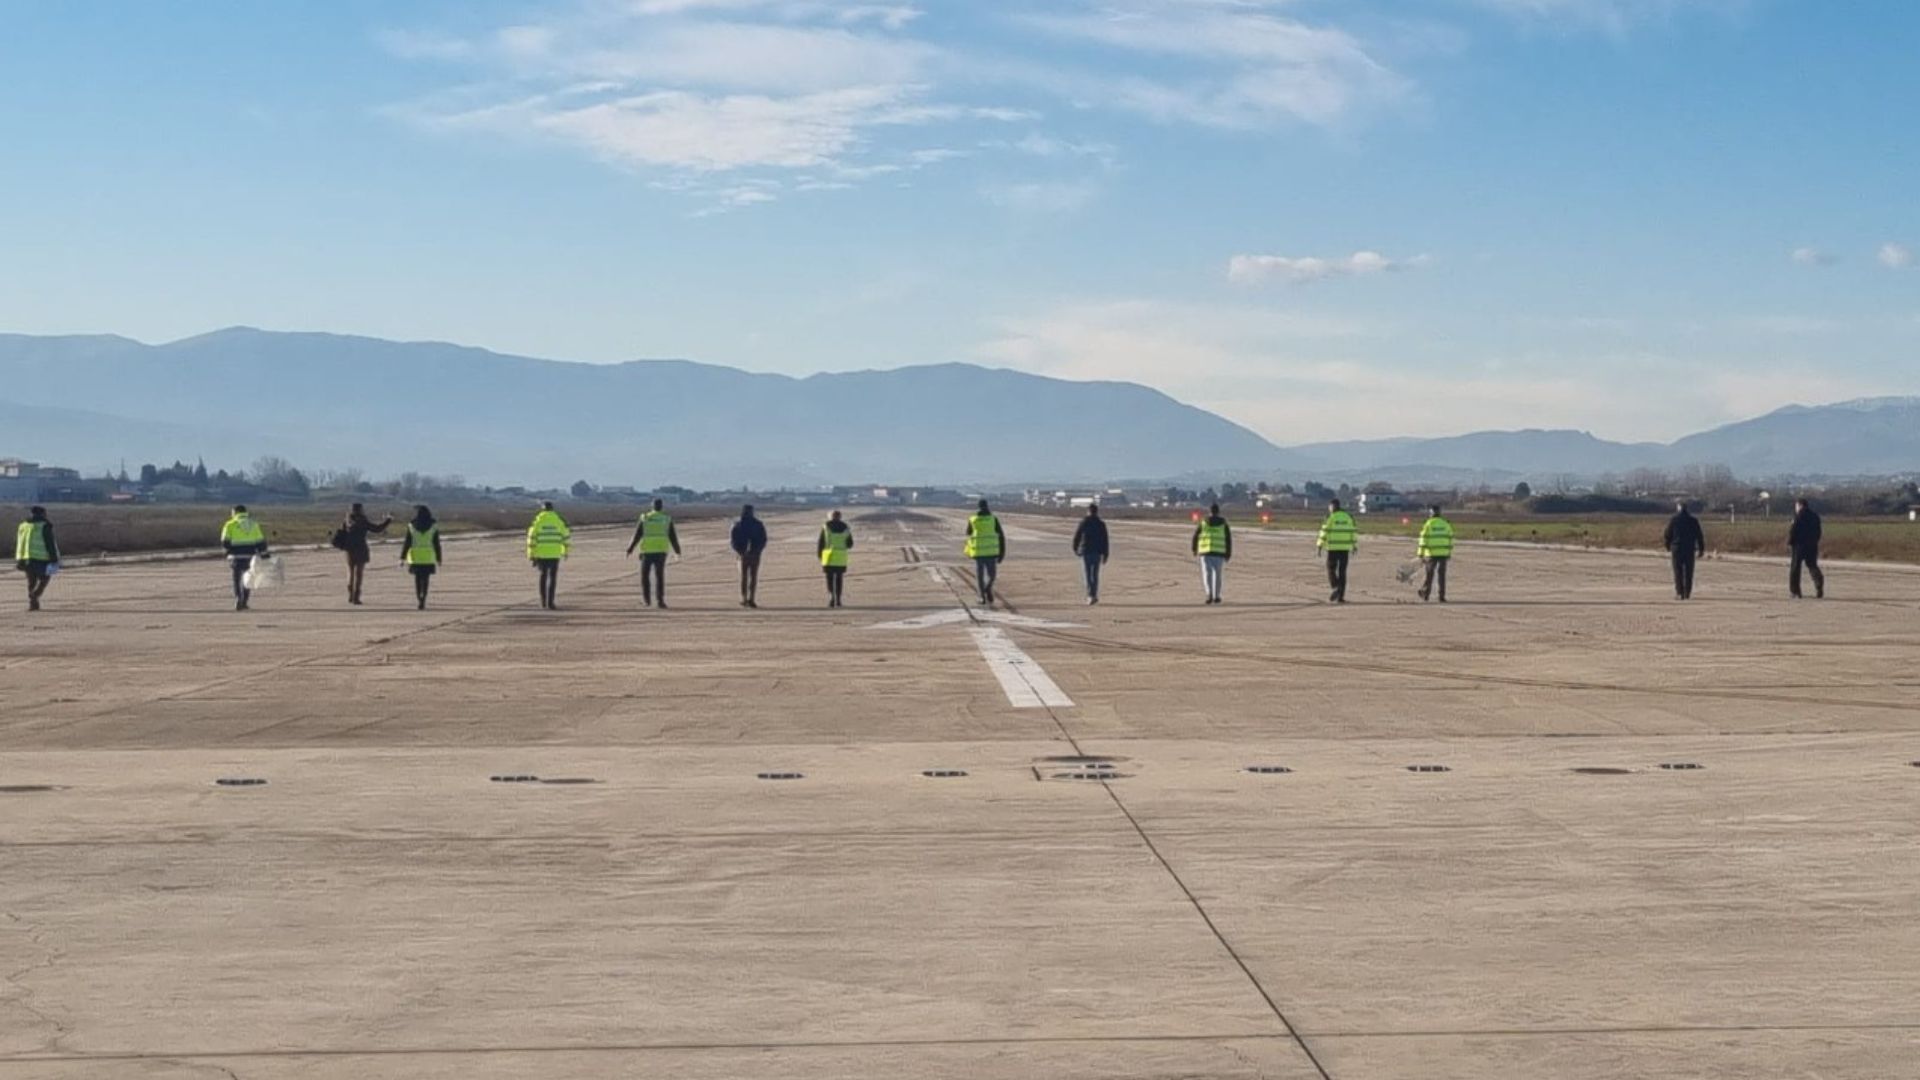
(1196, 515)
(1266, 519)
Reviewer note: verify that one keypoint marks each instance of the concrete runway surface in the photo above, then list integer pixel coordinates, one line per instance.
(380, 907)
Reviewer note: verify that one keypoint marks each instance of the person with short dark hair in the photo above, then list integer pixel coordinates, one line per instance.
(1091, 543)
(987, 547)
(351, 537)
(1339, 536)
(36, 553)
(1213, 543)
(655, 536)
(1686, 541)
(1803, 539)
(244, 541)
(749, 540)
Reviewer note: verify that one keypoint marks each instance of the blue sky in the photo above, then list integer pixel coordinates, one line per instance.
(1322, 218)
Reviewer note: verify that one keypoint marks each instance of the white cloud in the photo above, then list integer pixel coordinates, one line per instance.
(1613, 16)
(1041, 197)
(1896, 256)
(1807, 256)
(1289, 270)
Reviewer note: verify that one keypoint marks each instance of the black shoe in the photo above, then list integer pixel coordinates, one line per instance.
(33, 604)
(753, 603)
(1333, 598)
(663, 605)
(1422, 594)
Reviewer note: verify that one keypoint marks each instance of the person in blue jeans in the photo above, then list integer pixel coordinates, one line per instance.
(1091, 544)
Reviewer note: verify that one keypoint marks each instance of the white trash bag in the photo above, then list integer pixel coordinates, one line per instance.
(266, 572)
(1405, 572)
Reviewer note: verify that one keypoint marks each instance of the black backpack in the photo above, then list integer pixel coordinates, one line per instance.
(340, 538)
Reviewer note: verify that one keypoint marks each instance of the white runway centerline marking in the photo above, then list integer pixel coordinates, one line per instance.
(960, 615)
(1025, 682)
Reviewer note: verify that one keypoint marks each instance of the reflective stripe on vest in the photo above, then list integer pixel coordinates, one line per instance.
(1213, 539)
(983, 537)
(1338, 532)
(656, 530)
(1436, 539)
(835, 551)
(30, 543)
(420, 550)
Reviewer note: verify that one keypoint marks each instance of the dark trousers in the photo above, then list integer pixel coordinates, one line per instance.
(749, 575)
(549, 580)
(986, 572)
(241, 564)
(1093, 575)
(37, 578)
(1436, 571)
(836, 582)
(1683, 574)
(422, 582)
(653, 577)
(1807, 555)
(1337, 573)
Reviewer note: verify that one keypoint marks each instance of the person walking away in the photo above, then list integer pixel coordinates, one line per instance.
(1339, 539)
(749, 542)
(1803, 537)
(1686, 541)
(986, 546)
(420, 551)
(36, 553)
(1213, 543)
(548, 542)
(1090, 542)
(1435, 550)
(351, 537)
(243, 540)
(655, 537)
(835, 548)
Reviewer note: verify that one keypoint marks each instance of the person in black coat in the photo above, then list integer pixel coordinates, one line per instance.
(351, 538)
(1090, 543)
(1686, 541)
(1803, 539)
(749, 541)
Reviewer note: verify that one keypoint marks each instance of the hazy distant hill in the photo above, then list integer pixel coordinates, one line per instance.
(330, 401)
(327, 401)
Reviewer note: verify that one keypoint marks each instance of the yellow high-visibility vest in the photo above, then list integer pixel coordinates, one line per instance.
(30, 543)
(420, 549)
(835, 549)
(983, 537)
(1213, 538)
(241, 530)
(1436, 539)
(548, 537)
(1338, 532)
(656, 533)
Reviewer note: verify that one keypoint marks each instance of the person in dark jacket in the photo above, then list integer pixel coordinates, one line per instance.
(1090, 543)
(1803, 538)
(835, 549)
(351, 538)
(1213, 544)
(749, 542)
(36, 553)
(1686, 541)
(422, 553)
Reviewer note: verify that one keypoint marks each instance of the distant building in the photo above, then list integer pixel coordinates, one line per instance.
(16, 469)
(1377, 502)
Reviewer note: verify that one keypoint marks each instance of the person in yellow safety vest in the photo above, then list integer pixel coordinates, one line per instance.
(654, 536)
(1213, 543)
(243, 540)
(835, 548)
(420, 550)
(986, 546)
(1338, 538)
(36, 553)
(1436, 549)
(548, 541)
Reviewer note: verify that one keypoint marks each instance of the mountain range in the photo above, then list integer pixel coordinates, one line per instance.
(325, 400)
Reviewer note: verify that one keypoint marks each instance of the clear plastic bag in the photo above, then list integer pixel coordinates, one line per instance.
(266, 572)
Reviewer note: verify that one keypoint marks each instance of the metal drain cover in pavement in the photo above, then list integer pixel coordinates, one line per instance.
(239, 781)
(570, 780)
(1080, 759)
(943, 774)
(780, 776)
(1094, 774)
(25, 789)
(1268, 770)
(1600, 770)
(1681, 766)
(1429, 768)
(514, 778)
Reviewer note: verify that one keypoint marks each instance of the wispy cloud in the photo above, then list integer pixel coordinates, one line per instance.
(1304, 270)
(1612, 16)
(1896, 256)
(1807, 256)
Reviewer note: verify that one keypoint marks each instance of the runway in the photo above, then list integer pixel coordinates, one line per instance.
(1563, 826)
